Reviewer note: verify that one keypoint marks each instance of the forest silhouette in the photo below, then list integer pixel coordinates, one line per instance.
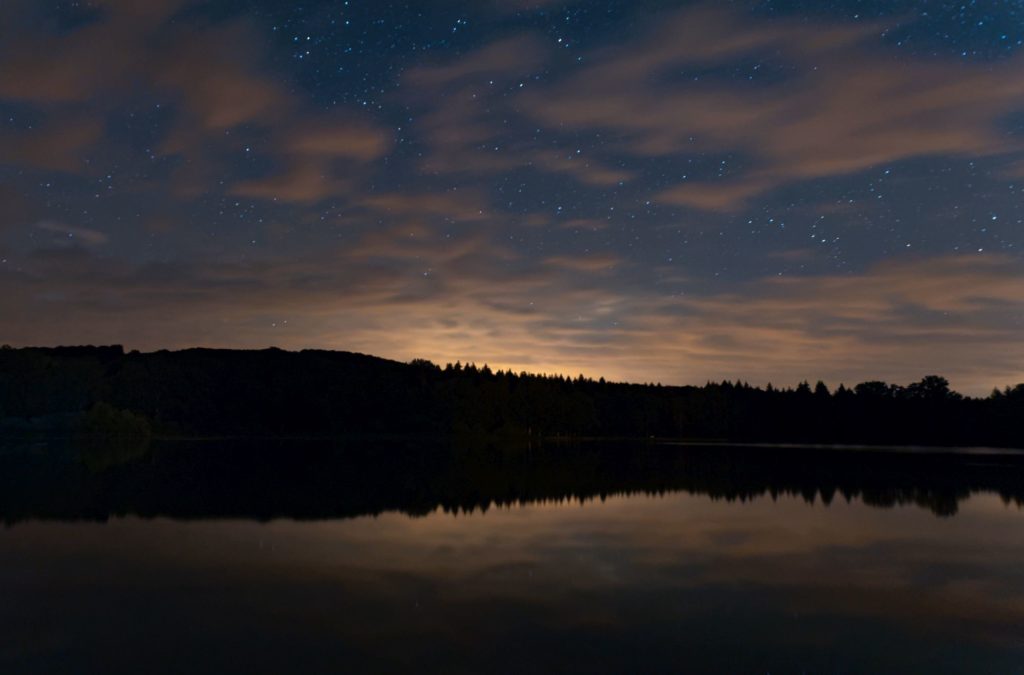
(106, 392)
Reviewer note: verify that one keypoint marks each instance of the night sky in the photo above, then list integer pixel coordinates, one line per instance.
(642, 190)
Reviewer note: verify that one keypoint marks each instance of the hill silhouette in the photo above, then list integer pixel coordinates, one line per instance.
(105, 391)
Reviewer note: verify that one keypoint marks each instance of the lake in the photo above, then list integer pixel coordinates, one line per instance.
(410, 557)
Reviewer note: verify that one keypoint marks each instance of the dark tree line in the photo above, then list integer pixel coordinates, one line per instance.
(321, 393)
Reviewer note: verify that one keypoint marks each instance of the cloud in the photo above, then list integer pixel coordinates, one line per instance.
(511, 6)
(213, 71)
(898, 321)
(591, 224)
(832, 101)
(586, 170)
(1014, 170)
(130, 48)
(518, 56)
(303, 182)
(213, 80)
(339, 138)
(430, 270)
(312, 151)
(844, 106)
(412, 293)
(72, 233)
(585, 263)
(57, 144)
(56, 66)
(19, 209)
(465, 119)
(452, 205)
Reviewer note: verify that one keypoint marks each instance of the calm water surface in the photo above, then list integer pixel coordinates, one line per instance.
(607, 560)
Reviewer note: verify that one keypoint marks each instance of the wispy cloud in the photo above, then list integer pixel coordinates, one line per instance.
(213, 80)
(844, 105)
(71, 234)
(822, 100)
(426, 296)
(421, 243)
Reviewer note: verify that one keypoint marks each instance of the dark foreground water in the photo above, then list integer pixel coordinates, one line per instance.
(304, 558)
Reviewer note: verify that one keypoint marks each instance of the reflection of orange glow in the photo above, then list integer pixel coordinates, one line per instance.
(571, 567)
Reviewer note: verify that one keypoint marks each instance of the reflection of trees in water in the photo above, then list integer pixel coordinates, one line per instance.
(101, 454)
(108, 437)
(306, 481)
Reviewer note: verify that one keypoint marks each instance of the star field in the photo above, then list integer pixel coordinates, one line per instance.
(644, 190)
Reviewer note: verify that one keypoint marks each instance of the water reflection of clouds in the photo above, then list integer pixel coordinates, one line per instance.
(901, 564)
(791, 584)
